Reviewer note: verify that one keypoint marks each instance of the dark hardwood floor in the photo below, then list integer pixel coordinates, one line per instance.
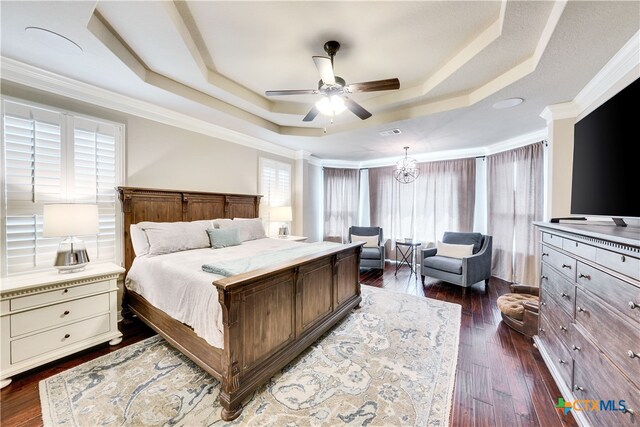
(501, 379)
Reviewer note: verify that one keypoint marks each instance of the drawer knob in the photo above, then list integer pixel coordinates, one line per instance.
(562, 328)
(543, 303)
(631, 354)
(65, 291)
(545, 254)
(67, 336)
(633, 305)
(562, 362)
(566, 266)
(623, 258)
(66, 312)
(584, 276)
(580, 309)
(576, 348)
(578, 388)
(544, 277)
(563, 295)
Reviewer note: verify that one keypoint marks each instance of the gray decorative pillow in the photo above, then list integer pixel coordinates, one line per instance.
(249, 229)
(224, 237)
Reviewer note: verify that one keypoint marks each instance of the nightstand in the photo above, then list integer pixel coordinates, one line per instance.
(46, 315)
(291, 238)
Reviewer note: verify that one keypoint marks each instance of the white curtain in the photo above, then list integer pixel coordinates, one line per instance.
(441, 199)
(515, 200)
(341, 199)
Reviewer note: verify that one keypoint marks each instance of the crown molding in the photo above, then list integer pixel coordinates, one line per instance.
(624, 62)
(37, 78)
(516, 142)
(560, 111)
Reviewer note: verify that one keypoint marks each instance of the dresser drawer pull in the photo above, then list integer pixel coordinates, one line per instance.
(566, 266)
(631, 354)
(580, 309)
(545, 254)
(576, 244)
(65, 291)
(563, 329)
(67, 336)
(66, 312)
(578, 388)
(562, 362)
(576, 348)
(633, 305)
(623, 258)
(584, 276)
(563, 295)
(544, 277)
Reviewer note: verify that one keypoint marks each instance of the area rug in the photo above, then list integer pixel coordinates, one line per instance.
(391, 362)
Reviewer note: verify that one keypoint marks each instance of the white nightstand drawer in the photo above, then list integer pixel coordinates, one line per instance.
(53, 315)
(58, 295)
(35, 345)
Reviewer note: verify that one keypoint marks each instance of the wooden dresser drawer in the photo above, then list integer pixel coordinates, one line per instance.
(561, 262)
(556, 286)
(622, 296)
(57, 314)
(580, 249)
(552, 239)
(612, 333)
(58, 295)
(558, 320)
(35, 345)
(596, 378)
(621, 263)
(559, 353)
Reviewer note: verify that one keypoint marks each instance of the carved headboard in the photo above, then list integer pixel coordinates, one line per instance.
(149, 204)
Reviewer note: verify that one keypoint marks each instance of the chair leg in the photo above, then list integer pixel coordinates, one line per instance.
(422, 277)
(486, 282)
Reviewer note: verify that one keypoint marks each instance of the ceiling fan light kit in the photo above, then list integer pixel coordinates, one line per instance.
(334, 89)
(406, 169)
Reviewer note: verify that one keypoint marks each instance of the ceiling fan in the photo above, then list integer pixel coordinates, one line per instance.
(334, 89)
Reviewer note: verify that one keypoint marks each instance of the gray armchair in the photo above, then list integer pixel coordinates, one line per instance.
(370, 257)
(463, 272)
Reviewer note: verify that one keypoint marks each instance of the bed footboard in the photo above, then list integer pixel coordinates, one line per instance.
(271, 315)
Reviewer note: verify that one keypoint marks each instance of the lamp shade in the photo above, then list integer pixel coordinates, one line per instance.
(281, 213)
(70, 219)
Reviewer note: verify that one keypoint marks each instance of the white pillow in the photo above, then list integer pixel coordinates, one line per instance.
(216, 222)
(168, 237)
(369, 241)
(248, 228)
(454, 251)
(138, 240)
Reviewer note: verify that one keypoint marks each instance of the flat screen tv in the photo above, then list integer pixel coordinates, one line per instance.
(606, 168)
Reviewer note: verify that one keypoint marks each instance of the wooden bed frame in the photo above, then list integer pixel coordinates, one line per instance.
(269, 315)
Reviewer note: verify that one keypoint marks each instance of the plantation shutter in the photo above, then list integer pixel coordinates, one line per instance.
(275, 187)
(51, 156)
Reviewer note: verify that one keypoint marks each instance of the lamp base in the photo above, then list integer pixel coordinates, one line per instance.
(72, 256)
(283, 231)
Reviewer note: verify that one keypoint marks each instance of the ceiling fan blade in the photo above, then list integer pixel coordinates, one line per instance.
(292, 92)
(311, 114)
(324, 66)
(373, 86)
(356, 109)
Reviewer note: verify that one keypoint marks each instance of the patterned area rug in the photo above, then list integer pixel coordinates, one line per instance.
(392, 362)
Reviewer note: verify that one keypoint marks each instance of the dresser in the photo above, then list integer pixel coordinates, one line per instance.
(589, 329)
(47, 315)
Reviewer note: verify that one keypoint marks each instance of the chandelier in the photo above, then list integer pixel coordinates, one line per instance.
(406, 169)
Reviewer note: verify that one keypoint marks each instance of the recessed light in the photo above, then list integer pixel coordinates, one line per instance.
(389, 132)
(507, 103)
(53, 40)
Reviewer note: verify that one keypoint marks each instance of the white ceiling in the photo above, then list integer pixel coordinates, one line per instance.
(213, 60)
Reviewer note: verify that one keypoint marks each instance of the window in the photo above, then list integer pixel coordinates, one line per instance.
(54, 156)
(275, 187)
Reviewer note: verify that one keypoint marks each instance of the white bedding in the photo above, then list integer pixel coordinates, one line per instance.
(176, 284)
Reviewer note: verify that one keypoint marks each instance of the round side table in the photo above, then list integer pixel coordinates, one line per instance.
(407, 251)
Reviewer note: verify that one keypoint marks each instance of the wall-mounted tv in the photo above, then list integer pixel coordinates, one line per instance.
(606, 168)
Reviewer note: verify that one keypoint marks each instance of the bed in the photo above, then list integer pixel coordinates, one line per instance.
(268, 316)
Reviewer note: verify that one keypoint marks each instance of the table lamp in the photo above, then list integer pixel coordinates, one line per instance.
(69, 220)
(281, 214)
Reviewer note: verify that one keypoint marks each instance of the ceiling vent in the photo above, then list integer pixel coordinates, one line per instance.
(390, 132)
